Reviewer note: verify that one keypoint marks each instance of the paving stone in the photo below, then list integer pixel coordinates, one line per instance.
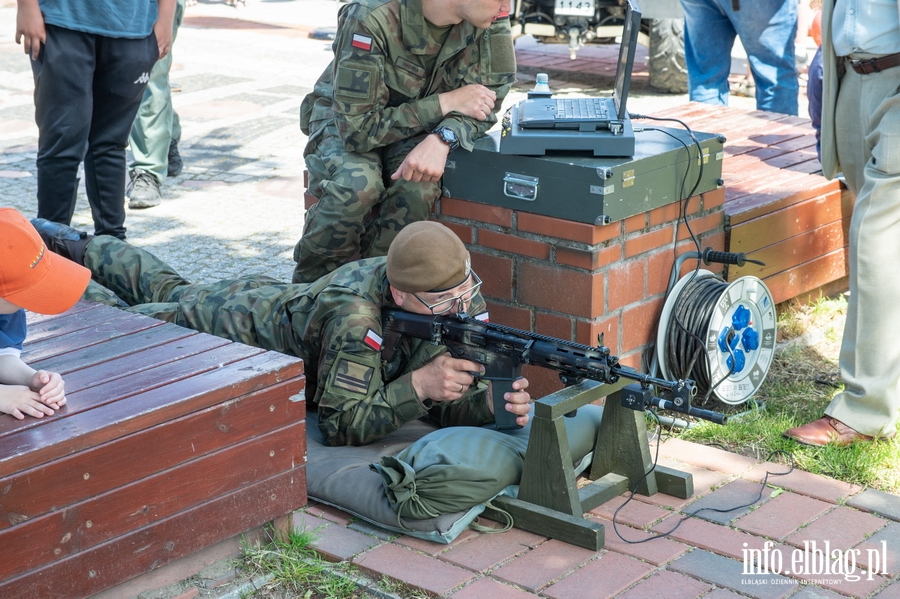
(842, 527)
(370, 529)
(604, 577)
(730, 501)
(805, 483)
(304, 522)
(547, 562)
(704, 480)
(486, 551)
(890, 536)
(337, 543)
(434, 549)
(723, 594)
(728, 573)
(709, 536)
(657, 551)
(486, 587)
(711, 458)
(812, 592)
(413, 569)
(636, 513)
(782, 515)
(891, 592)
(670, 585)
(878, 502)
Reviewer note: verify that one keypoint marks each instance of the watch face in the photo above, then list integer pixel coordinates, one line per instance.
(448, 137)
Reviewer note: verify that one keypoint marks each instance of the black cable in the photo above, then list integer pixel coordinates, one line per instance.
(694, 513)
(685, 349)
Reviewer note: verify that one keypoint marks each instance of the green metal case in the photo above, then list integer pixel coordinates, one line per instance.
(582, 188)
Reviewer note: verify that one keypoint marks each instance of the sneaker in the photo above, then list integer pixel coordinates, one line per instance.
(175, 162)
(143, 191)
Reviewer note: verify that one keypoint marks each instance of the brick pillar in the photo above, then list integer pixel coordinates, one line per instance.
(573, 280)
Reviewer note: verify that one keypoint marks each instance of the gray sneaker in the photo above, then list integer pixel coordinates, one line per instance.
(143, 191)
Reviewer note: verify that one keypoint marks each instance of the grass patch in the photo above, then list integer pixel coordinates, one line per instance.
(298, 571)
(802, 379)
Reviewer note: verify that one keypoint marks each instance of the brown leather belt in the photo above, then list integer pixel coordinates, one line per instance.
(874, 65)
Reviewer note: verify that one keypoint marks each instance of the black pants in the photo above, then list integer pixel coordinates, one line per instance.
(87, 90)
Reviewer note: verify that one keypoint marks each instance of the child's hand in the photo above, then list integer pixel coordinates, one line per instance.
(51, 388)
(18, 400)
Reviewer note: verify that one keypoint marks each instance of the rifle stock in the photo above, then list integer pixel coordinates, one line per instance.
(503, 350)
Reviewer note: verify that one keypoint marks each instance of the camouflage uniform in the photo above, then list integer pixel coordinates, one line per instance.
(376, 101)
(361, 395)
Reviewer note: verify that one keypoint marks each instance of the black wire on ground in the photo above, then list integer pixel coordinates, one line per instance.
(695, 512)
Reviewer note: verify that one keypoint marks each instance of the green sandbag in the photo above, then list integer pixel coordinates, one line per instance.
(456, 468)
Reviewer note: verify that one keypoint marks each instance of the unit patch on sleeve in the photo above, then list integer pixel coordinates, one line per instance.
(355, 82)
(352, 376)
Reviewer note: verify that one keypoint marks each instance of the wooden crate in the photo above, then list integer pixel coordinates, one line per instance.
(171, 441)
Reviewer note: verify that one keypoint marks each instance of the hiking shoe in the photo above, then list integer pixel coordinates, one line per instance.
(143, 191)
(175, 162)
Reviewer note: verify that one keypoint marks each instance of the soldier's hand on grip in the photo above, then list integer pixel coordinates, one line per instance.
(444, 378)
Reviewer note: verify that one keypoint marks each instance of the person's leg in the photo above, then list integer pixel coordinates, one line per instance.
(134, 275)
(767, 31)
(403, 202)
(708, 38)
(123, 68)
(62, 100)
(151, 134)
(868, 121)
(348, 185)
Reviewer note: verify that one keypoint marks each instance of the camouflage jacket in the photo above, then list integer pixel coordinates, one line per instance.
(361, 394)
(379, 89)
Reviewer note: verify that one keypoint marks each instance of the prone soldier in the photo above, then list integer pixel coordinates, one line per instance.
(334, 325)
(410, 81)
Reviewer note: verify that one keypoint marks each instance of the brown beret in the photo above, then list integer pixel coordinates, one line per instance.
(427, 256)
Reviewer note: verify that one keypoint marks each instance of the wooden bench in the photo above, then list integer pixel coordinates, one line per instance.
(778, 206)
(171, 441)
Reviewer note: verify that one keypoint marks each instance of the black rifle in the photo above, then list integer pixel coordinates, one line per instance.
(503, 350)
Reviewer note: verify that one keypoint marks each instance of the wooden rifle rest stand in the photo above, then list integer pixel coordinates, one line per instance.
(550, 502)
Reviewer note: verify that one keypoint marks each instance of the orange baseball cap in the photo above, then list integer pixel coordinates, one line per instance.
(31, 276)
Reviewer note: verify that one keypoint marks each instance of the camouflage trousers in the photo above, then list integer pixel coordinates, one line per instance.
(249, 310)
(359, 209)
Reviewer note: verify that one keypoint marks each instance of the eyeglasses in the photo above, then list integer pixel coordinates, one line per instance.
(444, 306)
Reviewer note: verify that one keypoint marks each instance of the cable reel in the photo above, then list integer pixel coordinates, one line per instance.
(737, 324)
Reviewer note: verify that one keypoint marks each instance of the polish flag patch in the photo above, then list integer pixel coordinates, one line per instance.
(363, 42)
(373, 340)
(483, 317)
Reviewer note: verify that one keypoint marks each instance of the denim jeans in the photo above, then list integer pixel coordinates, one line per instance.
(767, 29)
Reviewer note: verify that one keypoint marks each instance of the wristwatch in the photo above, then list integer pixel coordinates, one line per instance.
(447, 136)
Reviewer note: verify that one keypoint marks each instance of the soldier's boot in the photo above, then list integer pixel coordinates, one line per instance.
(62, 239)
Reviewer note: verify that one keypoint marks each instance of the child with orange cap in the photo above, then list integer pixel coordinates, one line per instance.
(31, 278)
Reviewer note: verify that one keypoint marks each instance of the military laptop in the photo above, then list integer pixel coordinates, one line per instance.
(584, 113)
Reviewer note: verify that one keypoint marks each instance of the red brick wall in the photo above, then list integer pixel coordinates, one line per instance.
(574, 280)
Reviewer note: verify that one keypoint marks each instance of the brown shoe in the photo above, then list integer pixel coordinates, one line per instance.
(825, 430)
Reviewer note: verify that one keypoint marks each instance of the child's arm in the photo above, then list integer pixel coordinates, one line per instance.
(19, 400)
(30, 26)
(30, 385)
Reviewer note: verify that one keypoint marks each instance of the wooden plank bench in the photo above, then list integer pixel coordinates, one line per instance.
(778, 206)
(171, 441)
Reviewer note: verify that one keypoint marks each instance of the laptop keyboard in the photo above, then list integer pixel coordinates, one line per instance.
(578, 109)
